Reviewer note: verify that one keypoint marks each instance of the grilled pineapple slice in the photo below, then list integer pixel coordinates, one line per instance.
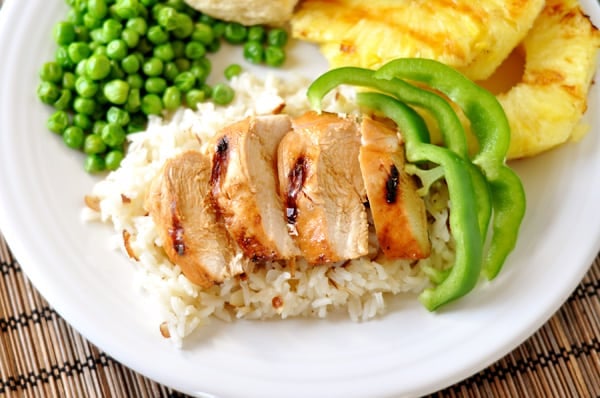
(472, 36)
(545, 107)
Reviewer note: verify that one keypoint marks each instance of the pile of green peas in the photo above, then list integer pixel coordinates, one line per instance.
(119, 61)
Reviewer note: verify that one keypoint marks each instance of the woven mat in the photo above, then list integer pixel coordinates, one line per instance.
(42, 356)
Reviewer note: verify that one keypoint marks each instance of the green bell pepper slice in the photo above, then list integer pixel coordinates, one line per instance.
(491, 127)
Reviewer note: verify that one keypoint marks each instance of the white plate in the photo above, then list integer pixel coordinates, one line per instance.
(407, 352)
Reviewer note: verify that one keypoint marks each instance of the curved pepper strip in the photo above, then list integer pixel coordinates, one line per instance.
(452, 131)
(463, 275)
(490, 126)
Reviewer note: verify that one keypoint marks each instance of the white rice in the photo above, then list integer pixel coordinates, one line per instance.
(359, 287)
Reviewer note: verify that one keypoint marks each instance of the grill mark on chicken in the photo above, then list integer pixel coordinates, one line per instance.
(296, 180)
(391, 185)
(176, 231)
(219, 166)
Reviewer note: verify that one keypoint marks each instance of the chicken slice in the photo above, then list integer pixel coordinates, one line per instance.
(398, 211)
(245, 186)
(192, 235)
(322, 187)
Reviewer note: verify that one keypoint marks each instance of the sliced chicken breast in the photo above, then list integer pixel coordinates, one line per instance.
(193, 237)
(398, 211)
(321, 184)
(245, 186)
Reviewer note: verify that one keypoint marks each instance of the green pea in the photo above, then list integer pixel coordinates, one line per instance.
(153, 67)
(117, 115)
(134, 100)
(183, 64)
(94, 163)
(82, 121)
(97, 35)
(254, 52)
(167, 18)
(157, 35)
(208, 90)
(126, 9)
(116, 91)
(185, 81)
(48, 92)
(98, 126)
(256, 33)
(172, 98)
(61, 56)
(82, 34)
(112, 29)
(202, 33)
(138, 25)
(277, 37)
(178, 48)
(51, 72)
(80, 68)
(195, 50)
(83, 105)
(170, 71)
(142, 10)
(58, 122)
(155, 85)
(152, 104)
(185, 26)
(68, 80)
(207, 19)
(100, 50)
(93, 143)
(156, 9)
(144, 46)
(73, 136)
(135, 81)
(75, 17)
(97, 8)
(164, 52)
(91, 22)
(214, 46)
(219, 29)
(64, 33)
(130, 64)
(194, 97)
(222, 94)
(113, 159)
(117, 49)
(204, 62)
(97, 67)
(130, 37)
(86, 87)
(64, 100)
(232, 70)
(199, 73)
(78, 51)
(235, 33)
(274, 56)
(113, 135)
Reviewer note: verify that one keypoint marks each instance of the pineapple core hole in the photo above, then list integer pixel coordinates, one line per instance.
(508, 74)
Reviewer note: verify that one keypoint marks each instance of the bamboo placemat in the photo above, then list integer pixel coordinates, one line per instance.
(42, 356)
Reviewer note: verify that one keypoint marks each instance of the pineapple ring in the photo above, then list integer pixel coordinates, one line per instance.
(544, 109)
(471, 36)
